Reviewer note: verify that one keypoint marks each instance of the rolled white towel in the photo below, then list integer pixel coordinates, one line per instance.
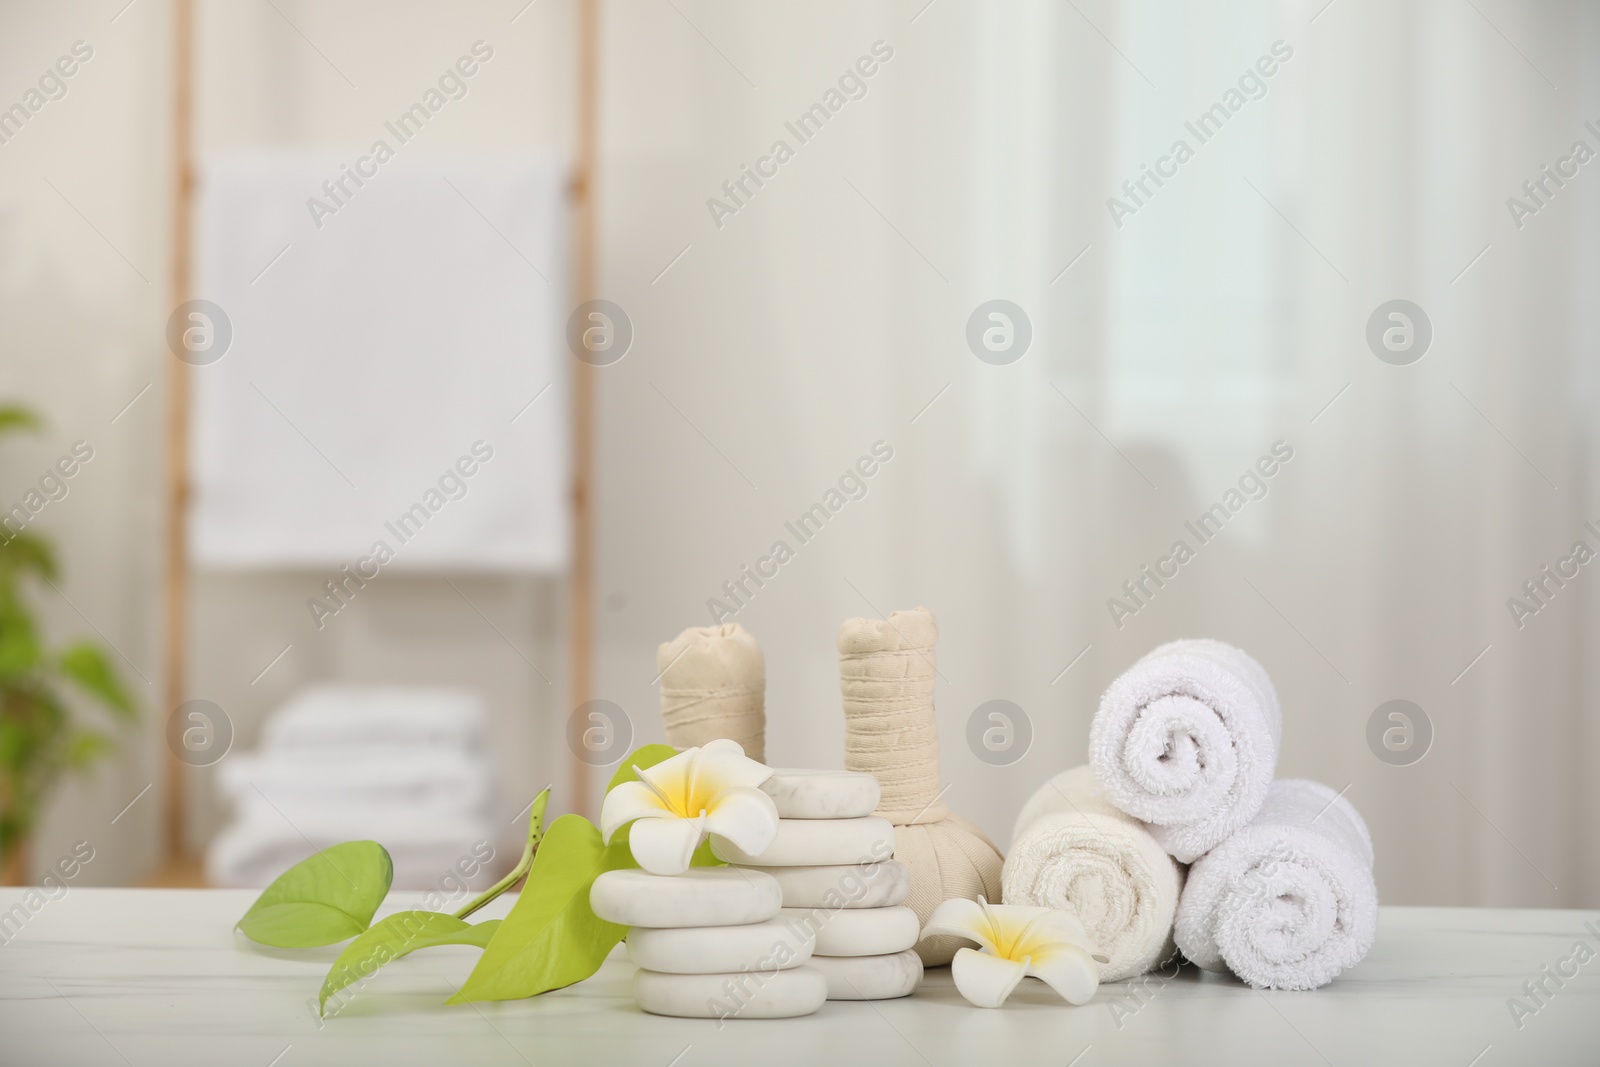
(1187, 740)
(1288, 902)
(1072, 850)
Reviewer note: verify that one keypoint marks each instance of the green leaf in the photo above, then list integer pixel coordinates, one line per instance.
(23, 552)
(18, 417)
(396, 936)
(85, 747)
(85, 664)
(16, 742)
(551, 938)
(324, 899)
(648, 756)
(19, 643)
(33, 728)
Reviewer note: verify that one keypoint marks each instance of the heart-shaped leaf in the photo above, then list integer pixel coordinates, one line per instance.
(395, 936)
(327, 898)
(552, 938)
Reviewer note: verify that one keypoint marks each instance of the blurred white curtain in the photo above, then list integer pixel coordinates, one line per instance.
(1168, 355)
(1375, 166)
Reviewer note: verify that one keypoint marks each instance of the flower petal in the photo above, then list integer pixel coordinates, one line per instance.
(1049, 929)
(670, 778)
(962, 918)
(745, 816)
(983, 979)
(627, 802)
(722, 764)
(664, 846)
(1069, 970)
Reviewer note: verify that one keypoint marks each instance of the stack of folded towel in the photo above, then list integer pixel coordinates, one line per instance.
(405, 766)
(1182, 753)
(832, 861)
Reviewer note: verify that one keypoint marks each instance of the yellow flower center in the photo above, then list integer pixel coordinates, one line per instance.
(680, 793)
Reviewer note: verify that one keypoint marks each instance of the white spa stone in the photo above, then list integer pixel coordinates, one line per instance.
(759, 947)
(812, 842)
(845, 885)
(812, 794)
(896, 974)
(769, 995)
(701, 896)
(858, 931)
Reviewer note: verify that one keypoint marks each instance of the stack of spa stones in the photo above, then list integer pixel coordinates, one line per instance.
(841, 887)
(710, 944)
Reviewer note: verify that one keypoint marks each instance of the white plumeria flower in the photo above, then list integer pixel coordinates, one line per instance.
(678, 802)
(1016, 942)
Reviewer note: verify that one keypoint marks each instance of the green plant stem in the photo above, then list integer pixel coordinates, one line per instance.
(535, 832)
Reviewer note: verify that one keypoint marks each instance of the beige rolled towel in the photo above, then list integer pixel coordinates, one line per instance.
(713, 684)
(1072, 850)
(886, 674)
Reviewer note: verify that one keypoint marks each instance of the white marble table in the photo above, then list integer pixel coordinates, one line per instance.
(156, 977)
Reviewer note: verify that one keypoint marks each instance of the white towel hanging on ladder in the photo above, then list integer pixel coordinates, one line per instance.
(396, 373)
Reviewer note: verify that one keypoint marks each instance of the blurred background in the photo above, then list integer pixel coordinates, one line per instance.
(367, 339)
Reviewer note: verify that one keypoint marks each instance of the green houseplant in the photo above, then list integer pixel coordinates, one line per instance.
(41, 736)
